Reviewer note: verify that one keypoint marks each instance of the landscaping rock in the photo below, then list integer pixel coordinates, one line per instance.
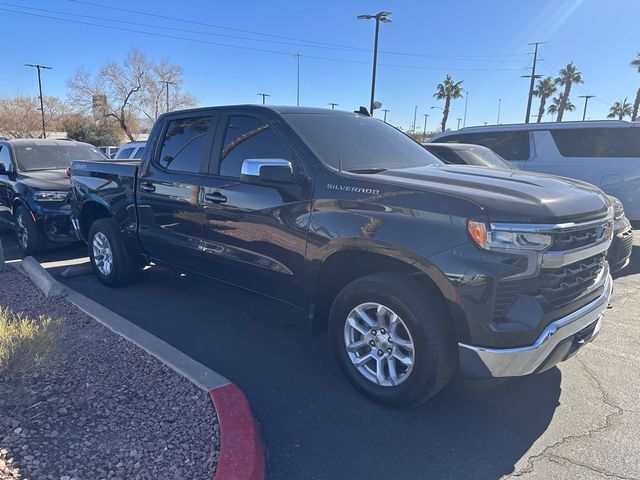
(101, 408)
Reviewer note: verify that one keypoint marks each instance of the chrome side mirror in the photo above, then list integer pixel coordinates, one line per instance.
(266, 170)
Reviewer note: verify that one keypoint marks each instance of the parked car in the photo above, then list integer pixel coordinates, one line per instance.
(619, 253)
(34, 187)
(468, 154)
(605, 153)
(131, 150)
(109, 151)
(415, 267)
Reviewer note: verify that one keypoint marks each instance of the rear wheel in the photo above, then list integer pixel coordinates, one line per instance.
(392, 339)
(30, 240)
(111, 262)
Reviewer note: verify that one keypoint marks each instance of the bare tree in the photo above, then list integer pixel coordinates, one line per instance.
(20, 116)
(163, 91)
(126, 90)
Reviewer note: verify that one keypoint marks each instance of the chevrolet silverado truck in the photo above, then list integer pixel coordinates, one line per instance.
(415, 268)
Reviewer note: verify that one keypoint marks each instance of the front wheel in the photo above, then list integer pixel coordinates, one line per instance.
(392, 339)
(111, 262)
(30, 240)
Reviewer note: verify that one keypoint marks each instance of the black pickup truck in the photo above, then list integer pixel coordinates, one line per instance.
(416, 268)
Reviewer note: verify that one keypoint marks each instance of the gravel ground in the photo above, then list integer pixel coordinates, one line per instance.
(101, 408)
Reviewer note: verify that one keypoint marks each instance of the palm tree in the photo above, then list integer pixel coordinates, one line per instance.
(556, 102)
(545, 88)
(620, 110)
(567, 77)
(636, 64)
(447, 91)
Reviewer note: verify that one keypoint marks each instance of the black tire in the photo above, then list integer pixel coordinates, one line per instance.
(426, 319)
(124, 266)
(30, 240)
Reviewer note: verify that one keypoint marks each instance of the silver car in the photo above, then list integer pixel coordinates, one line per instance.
(605, 153)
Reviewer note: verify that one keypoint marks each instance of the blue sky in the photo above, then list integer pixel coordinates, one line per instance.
(483, 43)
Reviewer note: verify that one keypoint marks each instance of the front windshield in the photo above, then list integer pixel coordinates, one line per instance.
(483, 157)
(35, 157)
(357, 143)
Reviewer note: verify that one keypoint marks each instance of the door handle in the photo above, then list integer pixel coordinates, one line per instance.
(215, 197)
(148, 187)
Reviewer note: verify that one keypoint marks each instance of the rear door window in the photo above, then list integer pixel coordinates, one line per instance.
(124, 153)
(597, 142)
(509, 145)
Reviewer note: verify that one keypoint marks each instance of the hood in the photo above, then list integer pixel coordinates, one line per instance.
(507, 195)
(45, 180)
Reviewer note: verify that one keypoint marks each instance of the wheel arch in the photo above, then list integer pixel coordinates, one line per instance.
(344, 265)
(90, 211)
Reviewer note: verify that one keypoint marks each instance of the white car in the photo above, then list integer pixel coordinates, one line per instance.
(605, 153)
(131, 150)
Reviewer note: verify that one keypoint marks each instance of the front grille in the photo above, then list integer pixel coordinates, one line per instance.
(560, 286)
(576, 238)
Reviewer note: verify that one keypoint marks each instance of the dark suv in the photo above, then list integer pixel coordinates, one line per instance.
(34, 186)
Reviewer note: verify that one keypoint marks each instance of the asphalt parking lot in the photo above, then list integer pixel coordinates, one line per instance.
(576, 421)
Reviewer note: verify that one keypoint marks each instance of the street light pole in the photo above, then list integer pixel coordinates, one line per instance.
(166, 84)
(379, 17)
(264, 96)
(586, 101)
(459, 120)
(415, 114)
(499, 105)
(385, 114)
(38, 67)
(466, 100)
(298, 89)
(333, 105)
(424, 130)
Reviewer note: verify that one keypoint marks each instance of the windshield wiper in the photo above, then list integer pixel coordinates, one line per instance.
(366, 171)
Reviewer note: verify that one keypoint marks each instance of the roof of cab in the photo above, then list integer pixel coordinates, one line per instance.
(280, 109)
(34, 142)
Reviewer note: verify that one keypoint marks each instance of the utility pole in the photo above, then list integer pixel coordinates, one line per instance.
(37, 66)
(264, 96)
(166, 85)
(415, 114)
(586, 101)
(379, 17)
(424, 130)
(333, 105)
(466, 100)
(533, 77)
(459, 120)
(499, 105)
(298, 89)
(385, 114)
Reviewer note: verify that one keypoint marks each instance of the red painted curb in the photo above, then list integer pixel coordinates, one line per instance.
(241, 449)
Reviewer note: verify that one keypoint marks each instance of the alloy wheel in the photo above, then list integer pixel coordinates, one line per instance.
(102, 254)
(379, 344)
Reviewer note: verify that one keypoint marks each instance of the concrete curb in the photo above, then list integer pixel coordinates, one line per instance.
(42, 279)
(241, 450)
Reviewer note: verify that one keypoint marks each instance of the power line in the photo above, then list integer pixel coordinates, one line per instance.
(241, 47)
(309, 42)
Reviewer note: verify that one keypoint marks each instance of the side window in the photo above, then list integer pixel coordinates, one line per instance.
(597, 142)
(124, 153)
(184, 144)
(446, 155)
(139, 153)
(5, 158)
(248, 137)
(509, 145)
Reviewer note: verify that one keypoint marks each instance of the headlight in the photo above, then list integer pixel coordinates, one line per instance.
(618, 209)
(50, 196)
(503, 239)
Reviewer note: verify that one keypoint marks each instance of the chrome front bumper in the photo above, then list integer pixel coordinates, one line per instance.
(515, 362)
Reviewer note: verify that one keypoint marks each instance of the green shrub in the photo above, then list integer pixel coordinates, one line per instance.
(25, 343)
